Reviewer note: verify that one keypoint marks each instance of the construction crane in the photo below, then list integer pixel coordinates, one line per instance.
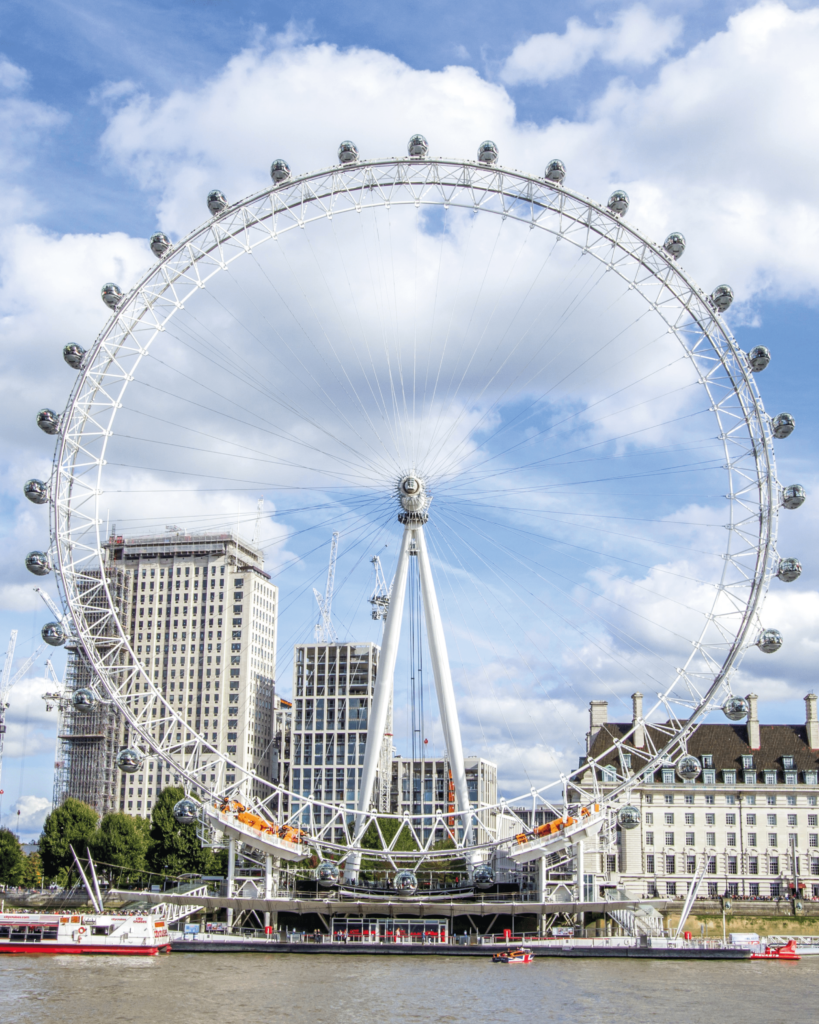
(325, 634)
(380, 599)
(52, 607)
(8, 682)
(257, 529)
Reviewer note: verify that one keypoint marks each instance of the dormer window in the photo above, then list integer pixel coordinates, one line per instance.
(708, 760)
(788, 763)
(748, 761)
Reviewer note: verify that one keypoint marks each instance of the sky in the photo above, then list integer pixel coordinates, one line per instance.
(117, 120)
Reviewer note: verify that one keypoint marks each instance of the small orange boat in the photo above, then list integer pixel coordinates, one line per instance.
(786, 952)
(521, 955)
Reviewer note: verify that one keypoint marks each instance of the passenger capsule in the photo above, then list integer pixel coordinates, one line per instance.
(129, 760)
(74, 354)
(769, 641)
(48, 421)
(160, 243)
(793, 496)
(53, 634)
(186, 811)
(722, 297)
(111, 295)
(406, 882)
(688, 767)
(83, 699)
(758, 358)
(488, 152)
(347, 152)
(36, 491)
(279, 171)
(783, 425)
(38, 563)
(417, 146)
(555, 171)
(483, 877)
(674, 245)
(735, 708)
(216, 201)
(790, 569)
(618, 203)
(628, 817)
(328, 874)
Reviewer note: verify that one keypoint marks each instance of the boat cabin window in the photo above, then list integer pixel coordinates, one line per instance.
(5, 931)
(102, 929)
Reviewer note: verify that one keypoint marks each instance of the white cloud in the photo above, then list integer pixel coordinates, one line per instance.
(12, 77)
(33, 811)
(635, 37)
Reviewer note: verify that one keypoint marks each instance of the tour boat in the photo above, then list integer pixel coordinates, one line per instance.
(786, 952)
(131, 935)
(521, 955)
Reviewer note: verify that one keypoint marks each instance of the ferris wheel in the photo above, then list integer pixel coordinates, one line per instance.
(529, 399)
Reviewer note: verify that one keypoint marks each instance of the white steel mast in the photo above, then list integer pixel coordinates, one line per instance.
(325, 634)
(414, 502)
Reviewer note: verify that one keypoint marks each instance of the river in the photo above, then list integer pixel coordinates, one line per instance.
(192, 988)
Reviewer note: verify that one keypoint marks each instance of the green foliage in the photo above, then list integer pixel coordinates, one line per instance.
(175, 849)
(122, 841)
(389, 828)
(72, 823)
(11, 858)
(32, 873)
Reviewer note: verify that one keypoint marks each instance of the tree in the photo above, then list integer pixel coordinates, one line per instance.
(11, 858)
(72, 823)
(31, 874)
(175, 849)
(122, 842)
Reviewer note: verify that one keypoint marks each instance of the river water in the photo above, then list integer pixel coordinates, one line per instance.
(192, 988)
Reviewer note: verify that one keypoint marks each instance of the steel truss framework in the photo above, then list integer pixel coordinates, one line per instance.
(700, 685)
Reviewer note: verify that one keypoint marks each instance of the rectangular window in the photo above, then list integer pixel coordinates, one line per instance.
(772, 839)
(813, 821)
(775, 890)
(729, 778)
(752, 838)
(813, 839)
(814, 865)
(671, 865)
(773, 865)
(711, 869)
(791, 819)
(749, 778)
(690, 865)
(771, 819)
(671, 888)
(609, 773)
(753, 889)
(750, 819)
(747, 761)
(730, 819)
(787, 762)
(732, 865)
(790, 778)
(669, 839)
(650, 863)
(811, 779)
(753, 865)
(689, 817)
(668, 776)
(710, 839)
(669, 818)
(730, 838)
(713, 889)
(649, 838)
(710, 819)
(709, 777)
(770, 778)
(708, 760)
(689, 838)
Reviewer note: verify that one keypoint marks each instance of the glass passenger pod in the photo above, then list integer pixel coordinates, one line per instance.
(36, 491)
(722, 297)
(484, 876)
(735, 708)
(406, 882)
(38, 563)
(769, 641)
(160, 243)
(186, 811)
(48, 421)
(555, 172)
(688, 767)
(74, 355)
(793, 496)
(217, 201)
(488, 152)
(83, 699)
(347, 152)
(417, 147)
(327, 874)
(618, 203)
(129, 760)
(790, 569)
(783, 425)
(674, 245)
(758, 358)
(53, 634)
(279, 171)
(628, 817)
(111, 295)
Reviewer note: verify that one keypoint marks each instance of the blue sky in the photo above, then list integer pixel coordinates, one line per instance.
(116, 118)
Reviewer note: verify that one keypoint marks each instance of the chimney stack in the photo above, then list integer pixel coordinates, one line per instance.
(753, 722)
(811, 721)
(638, 737)
(598, 717)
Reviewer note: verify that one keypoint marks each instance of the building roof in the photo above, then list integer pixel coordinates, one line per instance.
(727, 744)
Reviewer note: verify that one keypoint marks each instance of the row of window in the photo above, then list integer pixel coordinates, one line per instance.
(774, 890)
(688, 863)
(731, 818)
(731, 839)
